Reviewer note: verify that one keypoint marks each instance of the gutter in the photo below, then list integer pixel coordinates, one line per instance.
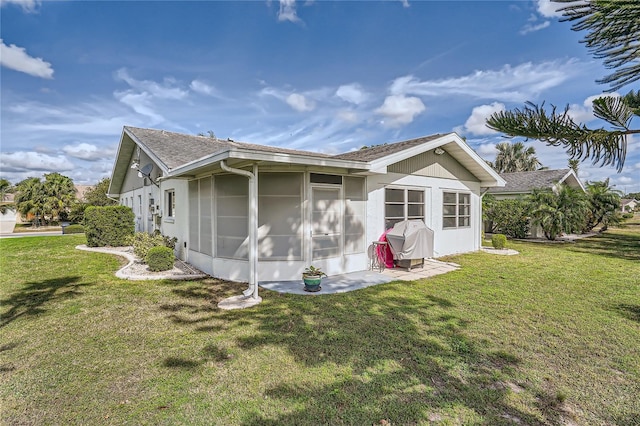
(253, 225)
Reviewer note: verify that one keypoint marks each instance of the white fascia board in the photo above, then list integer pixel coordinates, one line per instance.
(271, 157)
(575, 177)
(116, 162)
(499, 181)
(382, 163)
(150, 153)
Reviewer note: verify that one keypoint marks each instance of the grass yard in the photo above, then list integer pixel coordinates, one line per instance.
(551, 336)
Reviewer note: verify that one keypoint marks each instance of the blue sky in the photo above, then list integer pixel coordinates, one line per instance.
(316, 75)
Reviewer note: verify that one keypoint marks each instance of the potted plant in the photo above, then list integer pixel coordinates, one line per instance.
(312, 278)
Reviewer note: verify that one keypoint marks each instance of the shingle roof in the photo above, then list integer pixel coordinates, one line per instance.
(177, 149)
(381, 151)
(518, 182)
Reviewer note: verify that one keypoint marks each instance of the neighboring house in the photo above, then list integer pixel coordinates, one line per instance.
(81, 190)
(628, 205)
(249, 212)
(520, 184)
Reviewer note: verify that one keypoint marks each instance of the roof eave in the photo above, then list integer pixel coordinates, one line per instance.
(254, 155)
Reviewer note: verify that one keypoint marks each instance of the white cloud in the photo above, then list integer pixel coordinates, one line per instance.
(16, 58)
(477, 121)
(34, 161)
(584, 113)
(88, 152)
(400, 110)
(514, 84)
(348, 116)
(167, 90)
(352, 93)
(28, 6)
(487, 150)
(140, 103)
(530, 28)
(287, 11)
(202, 87)
(549, 9)
(405, 3)
(300, 102)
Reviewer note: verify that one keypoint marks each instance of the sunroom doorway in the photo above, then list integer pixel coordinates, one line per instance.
(326, 227)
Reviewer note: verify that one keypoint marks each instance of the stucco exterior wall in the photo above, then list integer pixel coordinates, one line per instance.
(446, 240)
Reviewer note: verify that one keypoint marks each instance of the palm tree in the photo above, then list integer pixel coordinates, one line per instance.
(604, 202)
(558, 211)
(515, 157)
(60, 194)
(5, 188)
(30, 197)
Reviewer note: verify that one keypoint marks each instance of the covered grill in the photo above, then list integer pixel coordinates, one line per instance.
(411, 241)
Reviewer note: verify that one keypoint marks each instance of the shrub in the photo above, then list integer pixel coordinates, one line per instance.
(108, 226)
(160, 258)
(73, 229)
(499, 241)
(627, 215)
(143, 242)
(509, 217)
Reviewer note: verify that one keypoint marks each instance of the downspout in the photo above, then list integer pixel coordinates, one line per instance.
(482, 194)
(253, 225)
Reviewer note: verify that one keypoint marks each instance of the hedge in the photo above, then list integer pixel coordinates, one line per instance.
(73, 229)
(108, 226)
(160, 258)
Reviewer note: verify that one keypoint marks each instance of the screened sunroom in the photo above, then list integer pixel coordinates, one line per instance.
(303, 218)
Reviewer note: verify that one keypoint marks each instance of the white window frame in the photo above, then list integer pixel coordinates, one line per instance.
(170, 204)
(405, 203)
(457, 216)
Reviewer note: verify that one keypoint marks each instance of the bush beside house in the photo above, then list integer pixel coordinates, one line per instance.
(160, 258)
(109, 226)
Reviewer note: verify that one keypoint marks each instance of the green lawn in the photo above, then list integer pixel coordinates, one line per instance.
(551, 336)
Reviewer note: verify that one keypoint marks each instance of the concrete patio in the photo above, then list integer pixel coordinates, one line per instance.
(356, 280)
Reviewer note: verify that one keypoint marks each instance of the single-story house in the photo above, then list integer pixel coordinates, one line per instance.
(628, 204)
(249, 212)
(520, 184)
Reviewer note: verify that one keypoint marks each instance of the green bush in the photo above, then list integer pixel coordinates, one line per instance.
(108, 226)
(160, 258)
(499, 241)
(509, 217)
(627, 215)
(73, 229)
(143, 242)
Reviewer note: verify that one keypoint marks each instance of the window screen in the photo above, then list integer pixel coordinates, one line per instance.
(232, 216)
(354, 214)
(322, 178)
(280, 216)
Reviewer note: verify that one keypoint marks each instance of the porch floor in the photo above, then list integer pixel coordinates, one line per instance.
(356, 280)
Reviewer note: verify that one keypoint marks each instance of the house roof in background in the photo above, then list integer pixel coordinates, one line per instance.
(525, 182)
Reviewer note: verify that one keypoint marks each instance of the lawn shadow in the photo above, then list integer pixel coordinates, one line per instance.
(31, 299)
(630, 312)
(409, 356)
(610, 244)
